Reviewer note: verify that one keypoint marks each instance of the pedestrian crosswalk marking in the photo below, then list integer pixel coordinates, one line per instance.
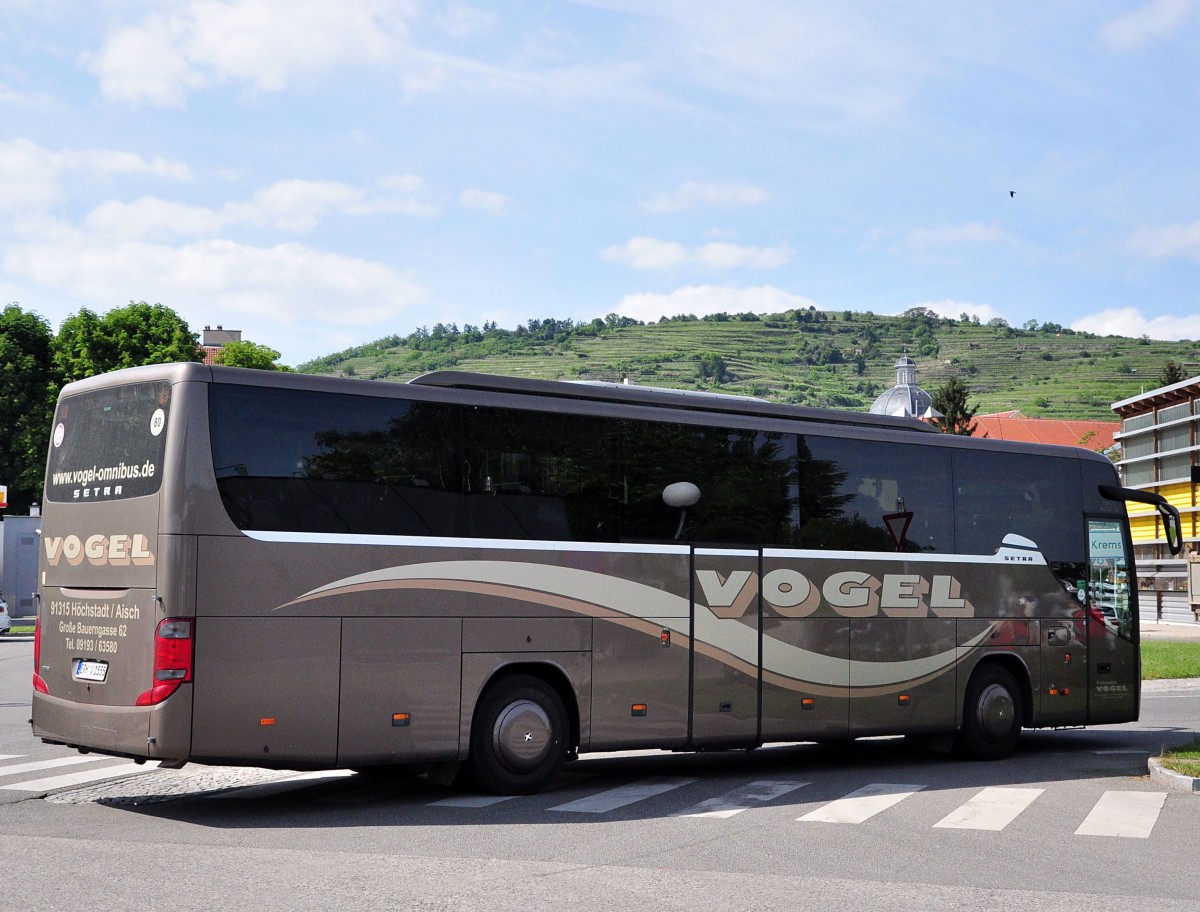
(471, 801)
(38, 765)
(1128, 814)
(992, 809)
(863, 804)
(79, 777)
(618, 797)
(733, 803)
(1120, 814)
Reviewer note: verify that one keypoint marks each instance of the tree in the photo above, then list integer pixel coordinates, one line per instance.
(1172, 373)
(28, 387)
(248, 354)
(951, 400)
(126, 337)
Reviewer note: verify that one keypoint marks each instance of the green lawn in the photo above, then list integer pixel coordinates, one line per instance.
(1184, 760)
(1164, 659)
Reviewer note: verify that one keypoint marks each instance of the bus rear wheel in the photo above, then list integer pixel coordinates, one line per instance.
(518, 736)
(991, 715)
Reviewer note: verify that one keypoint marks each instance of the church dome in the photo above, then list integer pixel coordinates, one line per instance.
(905, 399)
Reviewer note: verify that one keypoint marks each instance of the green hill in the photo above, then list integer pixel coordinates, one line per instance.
(808, 357)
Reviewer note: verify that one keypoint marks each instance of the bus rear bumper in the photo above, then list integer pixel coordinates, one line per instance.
(123, 731)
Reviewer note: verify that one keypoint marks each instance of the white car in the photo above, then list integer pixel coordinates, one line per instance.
(5, 623)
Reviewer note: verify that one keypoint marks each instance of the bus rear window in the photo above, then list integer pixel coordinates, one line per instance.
(108, 444)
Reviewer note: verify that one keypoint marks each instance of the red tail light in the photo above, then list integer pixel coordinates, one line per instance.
(172, 660)
(39, 683)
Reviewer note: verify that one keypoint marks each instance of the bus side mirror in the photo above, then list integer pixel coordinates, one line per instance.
(1172, 527)
(680, 496)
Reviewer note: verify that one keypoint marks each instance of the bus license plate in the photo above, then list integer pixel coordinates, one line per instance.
(90, 671)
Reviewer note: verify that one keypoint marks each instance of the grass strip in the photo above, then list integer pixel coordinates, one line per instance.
(1184, 760)
(1165, 659)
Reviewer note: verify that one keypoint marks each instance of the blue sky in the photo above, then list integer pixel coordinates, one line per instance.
(320, 174)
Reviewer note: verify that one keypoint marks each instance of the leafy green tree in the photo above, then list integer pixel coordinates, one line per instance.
(129, 336)
(248, 354)
(951, 400)
(1172, 373)
(712, 367)
(28, 387)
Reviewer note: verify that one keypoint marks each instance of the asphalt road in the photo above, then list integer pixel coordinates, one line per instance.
(1073, 822)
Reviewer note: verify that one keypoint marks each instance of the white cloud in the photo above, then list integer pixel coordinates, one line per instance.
(696, 194)
(1171, 241)
(459, 21)
(484, 201)
(647, 253)
(286, 284)
(30, 174)
(734, 256)
(832, 59)
(1142, 26)
(702, 300)
(289, 205)
(151, 217)
(924, 239)
(1129, 321)
(260, 43)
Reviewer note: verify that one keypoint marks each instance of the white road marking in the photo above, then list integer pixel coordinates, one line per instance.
(992, 809)
(612, 799)
(732, 803)
(863, 804)
(66, 780)
(1128, 814)
(38, 765)
(471, 801)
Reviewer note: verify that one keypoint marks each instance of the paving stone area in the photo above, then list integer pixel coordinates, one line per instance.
(169, 785)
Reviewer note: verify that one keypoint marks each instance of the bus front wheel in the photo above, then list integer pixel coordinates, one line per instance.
(991, 715)
(518, 736)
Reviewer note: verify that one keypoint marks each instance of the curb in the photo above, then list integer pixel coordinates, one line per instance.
(1171, 779)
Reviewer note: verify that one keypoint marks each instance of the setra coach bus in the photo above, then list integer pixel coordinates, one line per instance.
(256, 568)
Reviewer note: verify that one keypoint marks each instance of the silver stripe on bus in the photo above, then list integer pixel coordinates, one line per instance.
(429, 541)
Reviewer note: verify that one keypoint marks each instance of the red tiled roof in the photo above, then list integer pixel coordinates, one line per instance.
(1015, 426)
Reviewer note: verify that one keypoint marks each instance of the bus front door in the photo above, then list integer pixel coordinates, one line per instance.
(1113, 653)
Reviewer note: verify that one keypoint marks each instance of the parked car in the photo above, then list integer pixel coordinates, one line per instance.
(5, 623)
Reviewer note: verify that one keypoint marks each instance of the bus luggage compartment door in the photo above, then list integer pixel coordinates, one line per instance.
(266, 690)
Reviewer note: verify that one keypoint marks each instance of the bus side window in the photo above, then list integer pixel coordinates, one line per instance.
(848, 486)
(539, 475)
(1000, 493)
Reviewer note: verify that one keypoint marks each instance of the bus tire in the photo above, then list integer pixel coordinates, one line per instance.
(992, 714)
(518, 736)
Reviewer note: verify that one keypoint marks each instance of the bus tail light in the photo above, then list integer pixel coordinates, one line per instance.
(39, 683)
(172, 660)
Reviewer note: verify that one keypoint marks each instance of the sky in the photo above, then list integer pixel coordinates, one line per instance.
(323, 174)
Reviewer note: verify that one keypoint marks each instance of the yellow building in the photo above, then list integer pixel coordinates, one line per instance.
(1158, 440)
